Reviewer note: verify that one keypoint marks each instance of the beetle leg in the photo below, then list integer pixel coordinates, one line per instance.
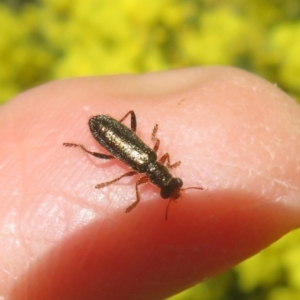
(96, 154)
(132, 120)
(134, 204)
(155, 138)
(103, 184)
(166, 158)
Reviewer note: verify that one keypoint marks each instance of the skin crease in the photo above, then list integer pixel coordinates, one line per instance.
(237, 136)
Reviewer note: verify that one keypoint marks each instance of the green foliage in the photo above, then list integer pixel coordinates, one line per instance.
(50, 39)
(273, 274)
(24, 56)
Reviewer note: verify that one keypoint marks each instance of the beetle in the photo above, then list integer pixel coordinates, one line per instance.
(123, 144)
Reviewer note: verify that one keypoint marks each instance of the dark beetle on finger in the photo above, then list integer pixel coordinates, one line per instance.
(126, 146)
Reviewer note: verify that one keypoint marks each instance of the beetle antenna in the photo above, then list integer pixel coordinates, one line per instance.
(166, 215)
(171, 199)
(192, 187)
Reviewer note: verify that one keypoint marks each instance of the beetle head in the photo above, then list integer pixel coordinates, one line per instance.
(172, 190)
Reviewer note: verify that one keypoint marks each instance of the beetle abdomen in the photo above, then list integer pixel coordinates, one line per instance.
(121, 142)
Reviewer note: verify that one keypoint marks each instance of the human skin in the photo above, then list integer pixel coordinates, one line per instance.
(236, 135)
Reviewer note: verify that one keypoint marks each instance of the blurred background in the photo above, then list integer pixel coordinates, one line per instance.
(51, 39)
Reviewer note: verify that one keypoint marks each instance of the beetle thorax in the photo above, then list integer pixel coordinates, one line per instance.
(158, 174)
